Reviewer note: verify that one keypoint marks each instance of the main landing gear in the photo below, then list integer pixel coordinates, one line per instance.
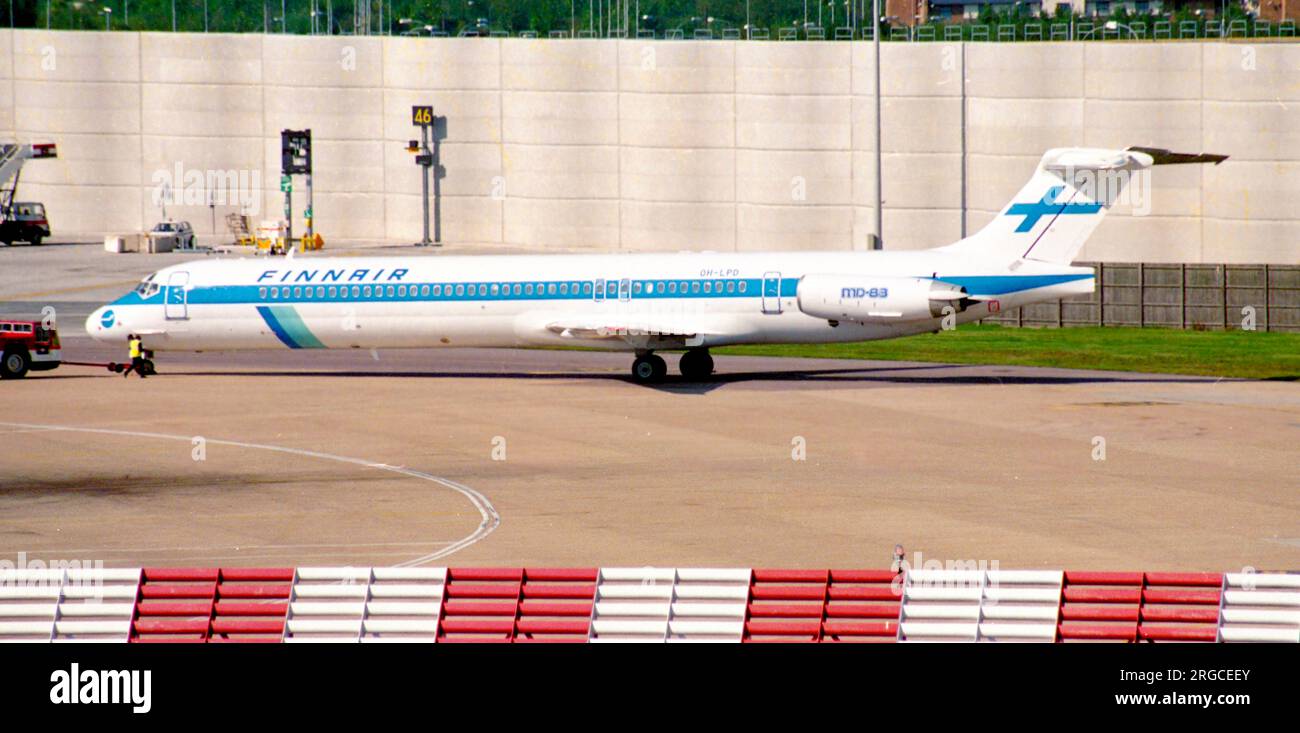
(649, 369)
(695, 365)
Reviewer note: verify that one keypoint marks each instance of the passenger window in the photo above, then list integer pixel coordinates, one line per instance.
(496, 289)
(424, 290)
(333, 291)
(586, 288)
(695, 287)
(366, 291)
(742, 286)
(297, 292)
(518, 288)
(261, 293)
(564, 288)
(550, 289)
(391, 291)
(528, 289)
(636, 287)
(672, 288)
(460, 290)
(708, 287)
(401, 291)
(355, 291)
(731, 286)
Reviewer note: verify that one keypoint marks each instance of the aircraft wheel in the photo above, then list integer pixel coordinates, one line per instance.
(147, 368)
(696, 365)
(649, 369)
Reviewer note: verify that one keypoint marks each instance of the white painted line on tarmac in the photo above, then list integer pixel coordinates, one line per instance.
(490, 518)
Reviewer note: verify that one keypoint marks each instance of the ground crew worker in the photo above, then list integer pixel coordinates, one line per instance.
(137, 357)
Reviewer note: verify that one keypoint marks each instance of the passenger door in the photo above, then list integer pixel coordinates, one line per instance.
(771, 292)
(176, 299)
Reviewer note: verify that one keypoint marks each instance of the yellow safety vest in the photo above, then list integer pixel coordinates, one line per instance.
(135, 348)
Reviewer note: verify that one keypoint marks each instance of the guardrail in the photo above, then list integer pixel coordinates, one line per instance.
(442, 605)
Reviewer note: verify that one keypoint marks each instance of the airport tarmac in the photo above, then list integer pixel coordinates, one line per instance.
(525, 457)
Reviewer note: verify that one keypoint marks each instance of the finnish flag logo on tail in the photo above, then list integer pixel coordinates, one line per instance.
(1050, 205)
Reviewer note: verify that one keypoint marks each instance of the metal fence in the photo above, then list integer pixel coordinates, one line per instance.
(314, 17)
(1018, 30)
(1216, 297)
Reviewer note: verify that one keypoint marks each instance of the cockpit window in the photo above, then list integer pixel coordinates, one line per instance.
(147, 287)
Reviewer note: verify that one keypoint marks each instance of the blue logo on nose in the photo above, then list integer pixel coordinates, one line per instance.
(107, 319)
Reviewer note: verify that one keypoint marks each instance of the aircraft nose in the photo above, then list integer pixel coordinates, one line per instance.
(99, 324)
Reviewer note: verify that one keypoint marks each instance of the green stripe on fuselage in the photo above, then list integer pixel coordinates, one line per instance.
(293, 325)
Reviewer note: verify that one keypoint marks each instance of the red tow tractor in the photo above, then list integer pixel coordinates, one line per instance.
(31, 346)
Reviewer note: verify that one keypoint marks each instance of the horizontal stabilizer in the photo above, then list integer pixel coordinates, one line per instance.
(1160, 156)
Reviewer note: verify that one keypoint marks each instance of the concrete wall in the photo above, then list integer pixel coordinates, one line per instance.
(642, 145)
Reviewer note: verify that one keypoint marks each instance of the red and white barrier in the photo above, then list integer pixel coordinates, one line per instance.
(667, 604)
(318, 604)
(80, 605)
(980, 605)
(1260, 607)
(365, 604)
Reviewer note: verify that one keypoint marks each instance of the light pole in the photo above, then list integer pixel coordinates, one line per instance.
(880, 196)
(108, 18)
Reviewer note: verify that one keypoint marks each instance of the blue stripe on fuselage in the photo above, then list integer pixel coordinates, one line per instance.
(1003, 284)
(423, 292)
(276, 328)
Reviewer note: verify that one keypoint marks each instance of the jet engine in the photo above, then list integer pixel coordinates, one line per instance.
(867, 299)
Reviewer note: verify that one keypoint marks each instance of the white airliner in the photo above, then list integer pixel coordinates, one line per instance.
(640, 302)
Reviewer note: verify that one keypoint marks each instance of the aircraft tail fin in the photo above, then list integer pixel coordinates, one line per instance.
(1067, 197)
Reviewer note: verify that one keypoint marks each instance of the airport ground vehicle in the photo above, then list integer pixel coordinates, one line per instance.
(27, 346)
(169, 235)
(21, 221)
(24, 221)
